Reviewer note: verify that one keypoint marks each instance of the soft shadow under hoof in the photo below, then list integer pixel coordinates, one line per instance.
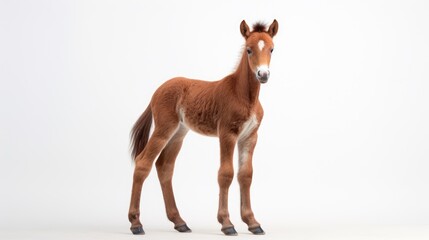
(257, 231)
(137, 230)
(229, 231)
(183, 229)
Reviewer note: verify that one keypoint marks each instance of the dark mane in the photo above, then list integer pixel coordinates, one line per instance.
(259, 27)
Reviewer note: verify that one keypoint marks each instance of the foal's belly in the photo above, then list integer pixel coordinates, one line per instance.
(202, 123)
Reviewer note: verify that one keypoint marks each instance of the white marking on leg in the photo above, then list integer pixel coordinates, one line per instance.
(182, 118)
(244, 155)
(248, 127)
(152, 128)
(261, 44)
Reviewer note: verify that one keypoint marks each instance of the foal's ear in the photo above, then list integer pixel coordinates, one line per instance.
(244, 29)
(272, 31)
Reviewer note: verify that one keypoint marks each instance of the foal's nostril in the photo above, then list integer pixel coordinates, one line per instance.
(263, 74)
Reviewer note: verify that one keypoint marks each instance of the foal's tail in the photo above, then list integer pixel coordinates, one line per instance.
(140, 132)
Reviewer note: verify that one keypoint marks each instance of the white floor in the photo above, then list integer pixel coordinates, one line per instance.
(331, 232)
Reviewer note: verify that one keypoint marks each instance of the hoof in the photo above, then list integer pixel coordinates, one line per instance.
(137, 230)
(229, 231)
(257, 231)
(183, 229)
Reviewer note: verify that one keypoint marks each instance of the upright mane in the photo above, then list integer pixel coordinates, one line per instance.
(259, 27)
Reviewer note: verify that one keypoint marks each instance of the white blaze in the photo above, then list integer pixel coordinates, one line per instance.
(261, 44)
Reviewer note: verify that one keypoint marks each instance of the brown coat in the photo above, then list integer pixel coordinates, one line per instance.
(228, 108)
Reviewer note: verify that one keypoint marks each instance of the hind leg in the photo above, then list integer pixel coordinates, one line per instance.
(165, 169)
(144, 162)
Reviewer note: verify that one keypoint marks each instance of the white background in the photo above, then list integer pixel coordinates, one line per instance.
(344, 139)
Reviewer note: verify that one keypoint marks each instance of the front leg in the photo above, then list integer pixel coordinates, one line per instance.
(245, 150)
(225, 176)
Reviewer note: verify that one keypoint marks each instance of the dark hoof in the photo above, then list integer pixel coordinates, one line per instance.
(229, 231)
(137, 230)
(183, 229)
(257, 231)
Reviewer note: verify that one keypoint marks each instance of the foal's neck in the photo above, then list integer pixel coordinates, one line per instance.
(245, 83)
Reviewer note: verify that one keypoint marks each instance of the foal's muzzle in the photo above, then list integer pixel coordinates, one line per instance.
(262, 74)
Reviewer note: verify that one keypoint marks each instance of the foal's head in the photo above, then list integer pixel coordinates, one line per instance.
(259, 46)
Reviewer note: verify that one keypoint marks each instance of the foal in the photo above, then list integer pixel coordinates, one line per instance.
(228, 108)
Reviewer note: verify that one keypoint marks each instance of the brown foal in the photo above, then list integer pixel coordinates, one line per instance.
(228, 108)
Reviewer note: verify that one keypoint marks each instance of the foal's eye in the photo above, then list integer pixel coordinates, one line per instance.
(249, 51)
(272, 49)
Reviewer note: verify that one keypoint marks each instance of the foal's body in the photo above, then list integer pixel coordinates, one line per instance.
(228, 108)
